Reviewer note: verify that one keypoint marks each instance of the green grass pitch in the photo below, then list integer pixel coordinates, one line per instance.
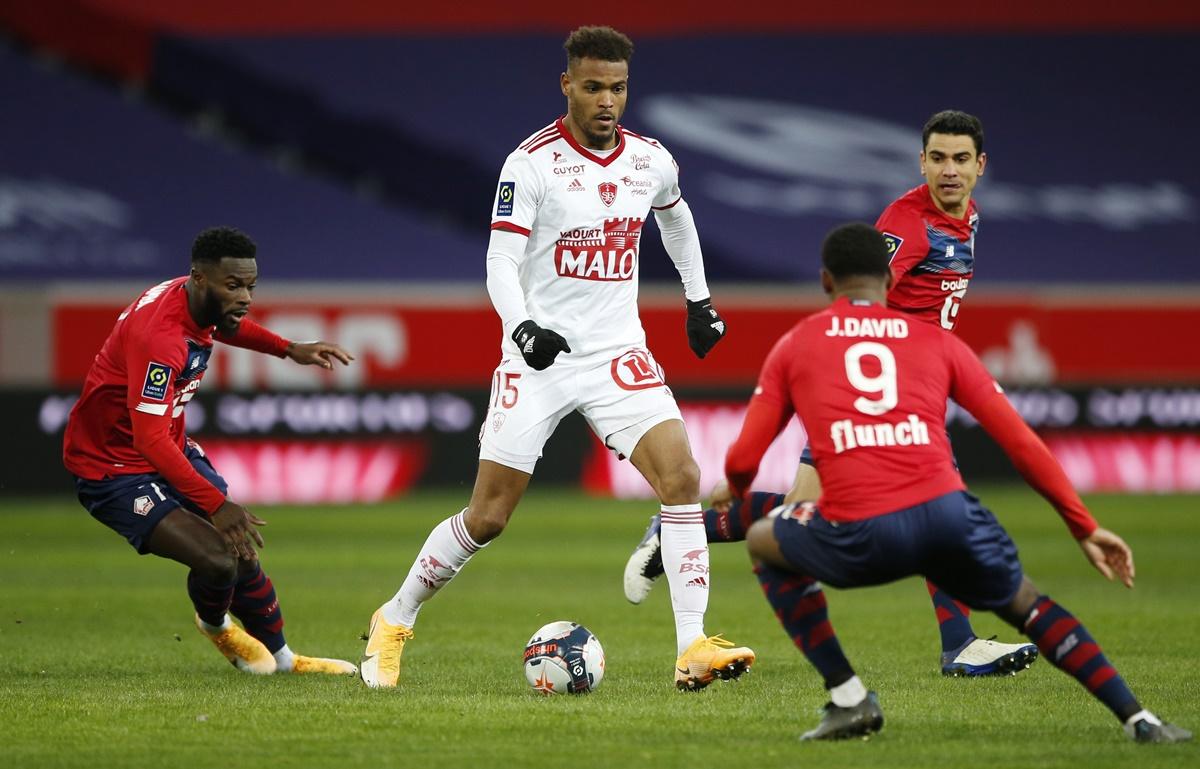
(100, 665)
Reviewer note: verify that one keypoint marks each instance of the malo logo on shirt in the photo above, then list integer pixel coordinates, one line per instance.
(600, 253)
(608, 192)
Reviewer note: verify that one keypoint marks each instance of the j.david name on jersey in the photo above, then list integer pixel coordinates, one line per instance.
(583, 212)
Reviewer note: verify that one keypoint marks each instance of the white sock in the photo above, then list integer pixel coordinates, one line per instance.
(1143, 713)
(284, 659)
(685, 561)
(848, 694)
(214, 629)
(447, 549)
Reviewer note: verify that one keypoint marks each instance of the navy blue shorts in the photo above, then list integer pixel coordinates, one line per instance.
(952, 540)
(132, 505)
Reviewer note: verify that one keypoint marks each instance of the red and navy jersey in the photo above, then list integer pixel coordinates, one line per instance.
(933, 256)
(870, 385)
(152, 363)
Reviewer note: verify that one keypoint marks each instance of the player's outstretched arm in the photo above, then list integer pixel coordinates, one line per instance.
(321, 354)
(1110, 555)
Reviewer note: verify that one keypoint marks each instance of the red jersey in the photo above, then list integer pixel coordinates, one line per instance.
(933, 256)
(130, 417)
(870, 385)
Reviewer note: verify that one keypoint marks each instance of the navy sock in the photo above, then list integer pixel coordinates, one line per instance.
(210, 601)
(731, 526)
(254, 603)
(1070, 647)
(952, 617)
(799, 604)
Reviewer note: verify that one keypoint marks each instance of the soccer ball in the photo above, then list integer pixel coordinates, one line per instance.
(564, 657)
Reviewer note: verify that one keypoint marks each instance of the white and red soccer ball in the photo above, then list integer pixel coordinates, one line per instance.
(564, 658)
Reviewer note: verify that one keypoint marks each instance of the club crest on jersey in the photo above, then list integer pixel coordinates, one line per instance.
(608, 192)
(893, 243)
(158, 376)
(504, 198)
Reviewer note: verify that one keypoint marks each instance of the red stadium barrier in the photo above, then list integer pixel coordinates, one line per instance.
(1039, 340)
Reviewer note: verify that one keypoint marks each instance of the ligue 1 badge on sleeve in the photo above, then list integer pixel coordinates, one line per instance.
(158, 376)
(893, 243)
(504, 198)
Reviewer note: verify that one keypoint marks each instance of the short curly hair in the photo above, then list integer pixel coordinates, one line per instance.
(602, 43)
(855, 249)
(215, 243)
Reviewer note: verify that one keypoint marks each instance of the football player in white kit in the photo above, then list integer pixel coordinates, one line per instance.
(562, 273)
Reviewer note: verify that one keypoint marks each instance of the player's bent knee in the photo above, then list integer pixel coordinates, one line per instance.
(680, 485)
(485, 523)
(217, 567)
(760, 539)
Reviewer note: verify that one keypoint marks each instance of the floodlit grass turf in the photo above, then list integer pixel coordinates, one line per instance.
(100, 665)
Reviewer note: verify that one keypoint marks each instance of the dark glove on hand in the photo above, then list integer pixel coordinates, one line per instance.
(704, 327)
(539, 346)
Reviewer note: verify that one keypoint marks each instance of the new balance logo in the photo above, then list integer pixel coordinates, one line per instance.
(698, 582)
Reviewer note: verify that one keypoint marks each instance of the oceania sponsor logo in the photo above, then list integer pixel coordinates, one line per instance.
(629, 181)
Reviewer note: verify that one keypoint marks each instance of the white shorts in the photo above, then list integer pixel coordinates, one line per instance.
(621, 399)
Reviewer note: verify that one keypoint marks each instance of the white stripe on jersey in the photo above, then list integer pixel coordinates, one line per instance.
(157, 409)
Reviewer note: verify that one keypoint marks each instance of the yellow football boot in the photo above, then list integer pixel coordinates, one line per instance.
(243, 650)
(709, 658)
(380, 665)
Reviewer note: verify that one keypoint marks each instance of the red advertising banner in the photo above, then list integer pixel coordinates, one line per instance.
(1024, 341)
(319, 472)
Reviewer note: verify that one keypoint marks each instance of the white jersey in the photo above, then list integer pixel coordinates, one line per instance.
(583, 212)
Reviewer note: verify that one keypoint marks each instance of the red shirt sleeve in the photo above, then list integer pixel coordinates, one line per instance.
(252, 336)
(975, 390)
(152, 364)
(904, 233)
(768, 414)
(152, 439)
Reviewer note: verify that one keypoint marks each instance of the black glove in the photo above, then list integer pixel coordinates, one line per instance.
(539, 346)
(704, 327)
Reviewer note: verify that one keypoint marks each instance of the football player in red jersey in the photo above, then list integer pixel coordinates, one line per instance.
(138, 473)
(870, 384)
(930, 233)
